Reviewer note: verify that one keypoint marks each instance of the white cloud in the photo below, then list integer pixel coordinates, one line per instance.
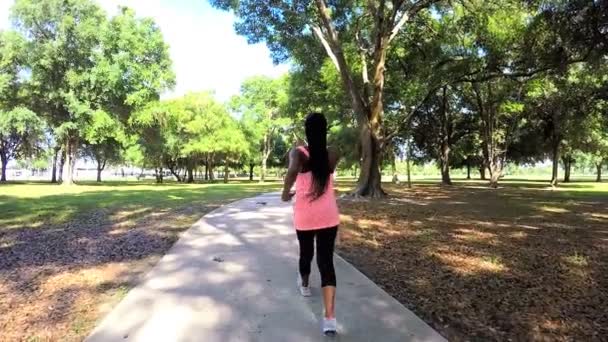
(207, 54)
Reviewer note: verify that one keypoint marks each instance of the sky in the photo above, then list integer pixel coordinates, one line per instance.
(207, 53)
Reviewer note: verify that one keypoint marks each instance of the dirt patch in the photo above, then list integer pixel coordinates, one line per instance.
(57, 281)
(486, 265)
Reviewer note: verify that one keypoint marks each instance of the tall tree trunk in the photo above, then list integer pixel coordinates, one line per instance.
(407, 166)
(159, 175)
(598, 167)
(4, 161)
(445, 164)
(60, 167)
(226, 172)
(446, 133)
(555, 156)
(567, 160)
(265, 154)
(190, 173)
(495, 172)
(394, 169)
(482, 172)
(71, 146)
(368, 115)
(57, 150)
(369, 181)
(251, 165)
(210, 169)
(174, 173)
(263, 172)
(468, 168)
(101, 165)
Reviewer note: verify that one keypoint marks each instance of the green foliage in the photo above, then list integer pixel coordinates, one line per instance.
(87, 71)
(262, 106)
(185, 132)
(134, 66)
(13, 56)
(21, 133)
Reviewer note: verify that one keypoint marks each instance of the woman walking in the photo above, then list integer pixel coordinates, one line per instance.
(316, 215)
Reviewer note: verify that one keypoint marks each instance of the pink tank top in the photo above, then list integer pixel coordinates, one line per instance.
(317, 214)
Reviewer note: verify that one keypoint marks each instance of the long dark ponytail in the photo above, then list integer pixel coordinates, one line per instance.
(318, 161)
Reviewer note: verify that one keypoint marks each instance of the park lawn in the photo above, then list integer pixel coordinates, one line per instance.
(68, 254)
(524, 262)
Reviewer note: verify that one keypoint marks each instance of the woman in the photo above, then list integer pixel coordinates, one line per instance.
(315, 211)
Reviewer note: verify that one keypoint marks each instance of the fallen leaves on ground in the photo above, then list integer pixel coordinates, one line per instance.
(487, 265)
(56, 281)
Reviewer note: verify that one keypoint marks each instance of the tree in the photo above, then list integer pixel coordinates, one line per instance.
(62, 36)
(500, 111)
(212, 134)
(439, 127)
(563, 104)
(149, 123)
(81, 63)
(261, 104)
(182, 133)
(287, 26)
(103, 141)
(593, 143)
(21, 130)
(132, 153)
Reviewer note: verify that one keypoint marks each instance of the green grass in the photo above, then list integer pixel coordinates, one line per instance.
(36, 204)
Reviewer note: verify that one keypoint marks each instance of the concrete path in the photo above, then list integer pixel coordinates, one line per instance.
(232, 277)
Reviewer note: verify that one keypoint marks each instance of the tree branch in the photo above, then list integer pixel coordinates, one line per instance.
(327, 23)
(359, 105)
(410, 115)
(328, 49)
(395, 30)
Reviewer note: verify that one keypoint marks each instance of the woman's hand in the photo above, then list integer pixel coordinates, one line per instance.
(286, 196)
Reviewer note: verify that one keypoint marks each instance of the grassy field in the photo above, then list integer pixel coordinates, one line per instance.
(525, 262)
(68, 254)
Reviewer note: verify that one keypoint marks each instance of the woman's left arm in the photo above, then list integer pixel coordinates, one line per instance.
(292, 174)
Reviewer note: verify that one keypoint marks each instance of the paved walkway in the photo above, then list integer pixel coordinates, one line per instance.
(232, 276)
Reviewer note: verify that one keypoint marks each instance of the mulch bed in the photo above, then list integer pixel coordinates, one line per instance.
(477, 264)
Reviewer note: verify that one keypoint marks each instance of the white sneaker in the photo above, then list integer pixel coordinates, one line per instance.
(330, 326)
(304, 290)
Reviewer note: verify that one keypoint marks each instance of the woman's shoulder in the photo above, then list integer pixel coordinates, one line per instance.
(300, 149)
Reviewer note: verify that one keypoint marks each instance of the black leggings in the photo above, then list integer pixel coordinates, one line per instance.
(326, 239)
